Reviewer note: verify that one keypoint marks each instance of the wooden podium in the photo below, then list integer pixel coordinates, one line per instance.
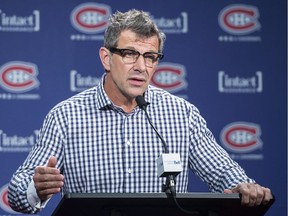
(155, 204)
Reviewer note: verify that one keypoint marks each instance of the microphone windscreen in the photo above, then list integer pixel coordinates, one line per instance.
(141, 102)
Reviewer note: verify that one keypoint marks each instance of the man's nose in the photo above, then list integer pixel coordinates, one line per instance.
(140, 63)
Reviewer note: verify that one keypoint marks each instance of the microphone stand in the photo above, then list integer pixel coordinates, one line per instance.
(170, 185)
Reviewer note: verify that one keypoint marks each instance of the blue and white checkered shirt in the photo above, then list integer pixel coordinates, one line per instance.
(100, 148)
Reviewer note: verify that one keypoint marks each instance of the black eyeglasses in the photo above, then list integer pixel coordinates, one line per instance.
(130, 56)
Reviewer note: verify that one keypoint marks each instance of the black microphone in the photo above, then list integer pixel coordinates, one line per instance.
(141, 102)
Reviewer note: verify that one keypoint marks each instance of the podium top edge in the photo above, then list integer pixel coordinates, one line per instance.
(154, 195)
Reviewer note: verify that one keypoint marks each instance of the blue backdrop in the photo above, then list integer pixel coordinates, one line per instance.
(227, 57)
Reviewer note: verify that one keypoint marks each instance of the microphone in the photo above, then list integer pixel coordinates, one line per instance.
(168, 164)
(141, 102)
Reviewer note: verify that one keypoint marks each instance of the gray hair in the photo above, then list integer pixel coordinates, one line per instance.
(137, 21)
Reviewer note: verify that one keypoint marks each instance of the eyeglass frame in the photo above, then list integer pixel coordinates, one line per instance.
(120, 52)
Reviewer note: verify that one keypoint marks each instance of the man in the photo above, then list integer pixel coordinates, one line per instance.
(100, 140)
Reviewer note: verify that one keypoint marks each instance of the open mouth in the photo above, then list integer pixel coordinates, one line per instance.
(136, 81)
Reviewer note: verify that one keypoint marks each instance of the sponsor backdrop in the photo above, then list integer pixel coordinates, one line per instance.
(226, 57)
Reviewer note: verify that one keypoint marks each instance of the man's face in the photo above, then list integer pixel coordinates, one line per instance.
(126, 81)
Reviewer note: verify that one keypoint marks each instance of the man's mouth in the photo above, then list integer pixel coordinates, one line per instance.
(137, 81)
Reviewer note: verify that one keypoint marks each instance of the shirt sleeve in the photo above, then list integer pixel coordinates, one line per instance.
(33, 198)
(21, 197)
(209, 160)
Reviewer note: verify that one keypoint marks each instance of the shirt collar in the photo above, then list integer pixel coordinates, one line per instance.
(148, 95)
(103, 101)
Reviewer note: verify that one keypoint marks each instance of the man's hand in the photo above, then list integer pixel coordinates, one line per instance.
(252, 194)
(48, 180)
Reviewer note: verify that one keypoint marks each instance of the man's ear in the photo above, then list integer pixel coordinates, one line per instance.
(104, 55)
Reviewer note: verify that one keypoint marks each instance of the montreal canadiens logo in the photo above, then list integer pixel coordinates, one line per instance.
(241, 137)
(18, 77)
(4, 200)
(90, 18)
(239, 19)
(170, 77)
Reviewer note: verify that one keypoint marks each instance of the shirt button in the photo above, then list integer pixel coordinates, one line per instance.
(128, 142)
(129, 170)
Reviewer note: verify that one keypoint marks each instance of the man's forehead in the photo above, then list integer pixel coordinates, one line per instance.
(130, 37)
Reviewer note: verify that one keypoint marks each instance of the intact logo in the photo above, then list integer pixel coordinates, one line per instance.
(20, 23)
(177, 25)
(241, 137)
(4, 200)
(237, 84)
(239, 19)
(170, 77)
(18, 77)
(90, 18)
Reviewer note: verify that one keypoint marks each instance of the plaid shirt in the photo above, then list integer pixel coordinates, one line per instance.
(102, 149)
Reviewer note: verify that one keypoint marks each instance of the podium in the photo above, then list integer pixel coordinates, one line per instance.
(155, 204)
